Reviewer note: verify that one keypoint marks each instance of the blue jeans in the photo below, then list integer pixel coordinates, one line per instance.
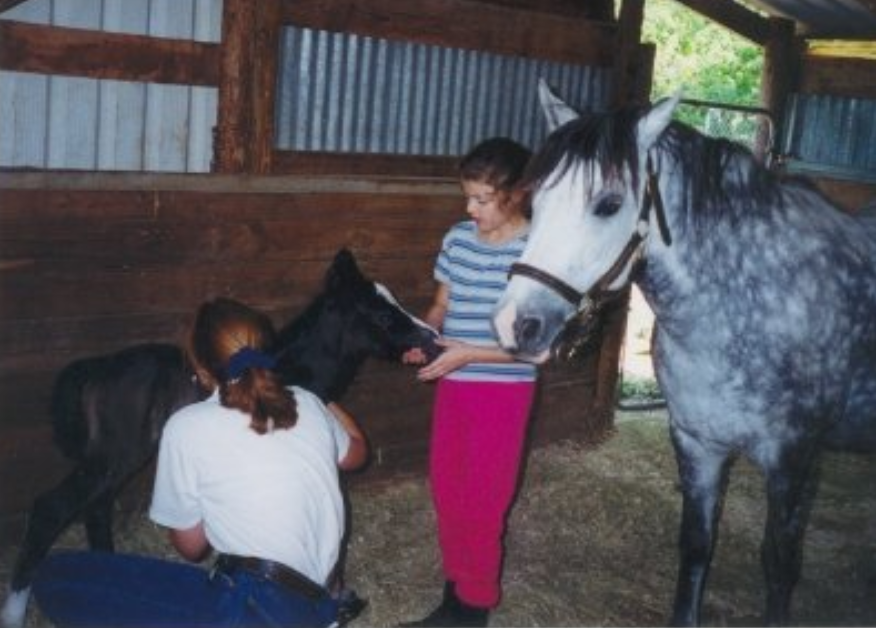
(105, 589)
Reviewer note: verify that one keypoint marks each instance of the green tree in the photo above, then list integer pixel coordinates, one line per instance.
(704, 61)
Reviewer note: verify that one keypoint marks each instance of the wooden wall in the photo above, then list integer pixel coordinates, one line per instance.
(848, 77)
(95, 262)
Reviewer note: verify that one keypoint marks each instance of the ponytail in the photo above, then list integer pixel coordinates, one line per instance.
(228, 345)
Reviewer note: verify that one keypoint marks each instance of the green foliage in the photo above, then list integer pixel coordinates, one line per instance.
(641, 388)
(699, 57)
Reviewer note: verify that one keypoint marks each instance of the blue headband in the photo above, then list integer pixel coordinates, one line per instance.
(247, 358)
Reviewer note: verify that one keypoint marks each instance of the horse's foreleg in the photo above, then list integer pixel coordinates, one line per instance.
(703, 480)
(52, 512)
(789, 494)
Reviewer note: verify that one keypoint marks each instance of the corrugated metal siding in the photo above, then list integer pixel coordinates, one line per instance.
(832, 135)
(342, 92)
(77, 123)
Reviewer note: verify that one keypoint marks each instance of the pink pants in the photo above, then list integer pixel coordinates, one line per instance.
(478, 433)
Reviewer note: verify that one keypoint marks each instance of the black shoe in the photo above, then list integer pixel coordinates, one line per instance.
(350, 606)
(452, 612)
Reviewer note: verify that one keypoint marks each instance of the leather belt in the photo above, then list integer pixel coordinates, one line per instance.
(277, 573)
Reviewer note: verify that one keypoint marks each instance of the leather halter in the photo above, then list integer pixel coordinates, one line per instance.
(587, 304)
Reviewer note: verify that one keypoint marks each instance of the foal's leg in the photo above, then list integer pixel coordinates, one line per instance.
(99, 521)
(52, 512)
(790, 487)
(703, 475)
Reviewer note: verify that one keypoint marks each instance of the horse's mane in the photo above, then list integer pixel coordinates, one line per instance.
(606, 140)
(721, 178)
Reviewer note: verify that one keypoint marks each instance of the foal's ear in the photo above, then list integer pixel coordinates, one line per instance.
(344, 270)
(555, 110)
(655, 121)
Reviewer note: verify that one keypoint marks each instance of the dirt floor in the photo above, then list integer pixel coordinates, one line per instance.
(591, 542)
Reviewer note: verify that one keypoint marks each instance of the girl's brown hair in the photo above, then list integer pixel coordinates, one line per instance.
(228, 347)
(498, 161)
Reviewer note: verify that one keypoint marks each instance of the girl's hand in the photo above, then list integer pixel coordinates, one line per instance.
(455, 355)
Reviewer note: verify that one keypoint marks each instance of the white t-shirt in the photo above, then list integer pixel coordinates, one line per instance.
(274, 496)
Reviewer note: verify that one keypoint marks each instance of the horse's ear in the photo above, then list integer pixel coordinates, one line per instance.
(555, 110)
(653, 123)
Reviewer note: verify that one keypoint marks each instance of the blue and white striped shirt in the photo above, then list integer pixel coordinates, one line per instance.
(476, 274)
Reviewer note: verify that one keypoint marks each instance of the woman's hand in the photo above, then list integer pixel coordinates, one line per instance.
(191, 543)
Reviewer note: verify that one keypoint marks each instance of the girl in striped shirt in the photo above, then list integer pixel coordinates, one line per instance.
(483, 396)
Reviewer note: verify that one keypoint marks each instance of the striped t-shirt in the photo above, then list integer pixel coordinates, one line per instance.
(476, 274)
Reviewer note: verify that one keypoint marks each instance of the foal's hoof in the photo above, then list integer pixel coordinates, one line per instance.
(15, 609)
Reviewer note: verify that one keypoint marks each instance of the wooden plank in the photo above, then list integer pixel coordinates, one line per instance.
(318, 163)
(850, 195)
(225, 184)
(837, 76)
(598, 10)
(464, 24)
(733, 16)
(101, 55)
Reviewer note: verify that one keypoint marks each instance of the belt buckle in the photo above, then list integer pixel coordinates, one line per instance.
(217, 571)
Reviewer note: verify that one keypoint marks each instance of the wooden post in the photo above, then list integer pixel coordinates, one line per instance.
(781, 71)
(233, 130)
(629, 75)
(266, 56)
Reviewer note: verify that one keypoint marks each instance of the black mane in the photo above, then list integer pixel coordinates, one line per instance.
(606, 140)
(723, 177)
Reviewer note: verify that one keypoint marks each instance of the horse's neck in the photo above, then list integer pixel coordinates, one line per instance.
(316, 358)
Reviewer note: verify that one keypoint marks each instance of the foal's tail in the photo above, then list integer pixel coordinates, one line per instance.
(69, 419)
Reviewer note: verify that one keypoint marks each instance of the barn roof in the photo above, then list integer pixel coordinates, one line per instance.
(825, 19)
(814, 19)
(848, 20)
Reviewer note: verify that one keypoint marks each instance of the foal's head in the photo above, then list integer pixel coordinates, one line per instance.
(353, 319)
(374, 322)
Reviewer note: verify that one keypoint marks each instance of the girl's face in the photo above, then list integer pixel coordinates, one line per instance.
(497, 214)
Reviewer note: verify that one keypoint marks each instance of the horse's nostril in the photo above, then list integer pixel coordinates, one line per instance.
(527, 329)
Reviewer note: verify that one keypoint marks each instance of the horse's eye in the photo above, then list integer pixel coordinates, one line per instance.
(608, 206)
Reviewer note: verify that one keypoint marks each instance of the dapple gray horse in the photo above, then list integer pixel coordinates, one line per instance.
(764, 296)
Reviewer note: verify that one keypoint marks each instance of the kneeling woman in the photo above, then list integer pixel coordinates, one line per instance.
(250, 473)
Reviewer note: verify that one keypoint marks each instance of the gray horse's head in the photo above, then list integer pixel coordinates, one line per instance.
(587, 184)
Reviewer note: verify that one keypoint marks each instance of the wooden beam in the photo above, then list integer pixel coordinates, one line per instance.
(838, 76)
(733, 16)
(313, 163)
(781, 70)
(870, 5)
(599, 10)
(234, 128)
(627, 72)
(94, 54)
(266, 48)
(464, 24)
(5, 5)
(244, 141)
